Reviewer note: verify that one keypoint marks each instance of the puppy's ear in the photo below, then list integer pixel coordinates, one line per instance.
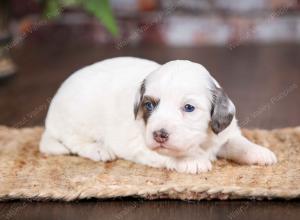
(139, 99)
(222, 110)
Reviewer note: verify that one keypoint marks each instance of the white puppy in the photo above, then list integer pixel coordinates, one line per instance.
(174, 116)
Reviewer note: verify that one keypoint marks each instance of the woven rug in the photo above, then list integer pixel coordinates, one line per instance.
(27, 174)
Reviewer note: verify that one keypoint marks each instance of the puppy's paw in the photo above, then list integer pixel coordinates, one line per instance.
(190, 165)
(258, 155)
(96, 153)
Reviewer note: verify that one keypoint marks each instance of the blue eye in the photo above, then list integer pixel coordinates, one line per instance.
(149, 106)
(188, 108)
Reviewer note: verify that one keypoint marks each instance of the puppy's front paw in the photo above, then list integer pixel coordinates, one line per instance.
(259, 155)
(190, 165)
(95, 152)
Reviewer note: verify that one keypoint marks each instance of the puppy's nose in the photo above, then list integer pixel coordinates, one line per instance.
(161, 136)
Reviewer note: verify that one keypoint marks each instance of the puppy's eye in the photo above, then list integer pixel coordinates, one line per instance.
(149, 106)
(188, 108)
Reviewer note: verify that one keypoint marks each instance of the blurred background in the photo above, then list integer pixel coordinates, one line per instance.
(250, 47)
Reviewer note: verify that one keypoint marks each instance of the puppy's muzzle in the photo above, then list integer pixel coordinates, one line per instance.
(161, 136)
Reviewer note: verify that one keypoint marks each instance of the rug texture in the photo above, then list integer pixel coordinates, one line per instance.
(27, 174)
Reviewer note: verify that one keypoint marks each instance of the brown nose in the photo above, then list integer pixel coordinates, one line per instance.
(161, 136)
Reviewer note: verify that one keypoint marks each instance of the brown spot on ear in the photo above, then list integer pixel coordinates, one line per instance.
(137, 104)
(145, 112)
(222, 111)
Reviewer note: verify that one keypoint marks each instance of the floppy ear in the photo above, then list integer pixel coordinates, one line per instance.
(222, 111)
(138, 99)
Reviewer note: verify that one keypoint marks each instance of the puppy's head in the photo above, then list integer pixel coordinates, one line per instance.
(179, 104)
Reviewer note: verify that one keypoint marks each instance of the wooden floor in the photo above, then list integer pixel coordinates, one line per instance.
(263, 82)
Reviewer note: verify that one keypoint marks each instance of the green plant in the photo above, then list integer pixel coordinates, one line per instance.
(99, 8)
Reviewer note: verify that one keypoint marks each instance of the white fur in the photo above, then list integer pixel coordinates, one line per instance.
(92, 115)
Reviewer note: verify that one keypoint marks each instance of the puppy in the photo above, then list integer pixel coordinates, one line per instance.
(173, 116)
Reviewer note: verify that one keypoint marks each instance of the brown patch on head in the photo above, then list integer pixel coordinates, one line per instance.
(146, 114)
(141, 100)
